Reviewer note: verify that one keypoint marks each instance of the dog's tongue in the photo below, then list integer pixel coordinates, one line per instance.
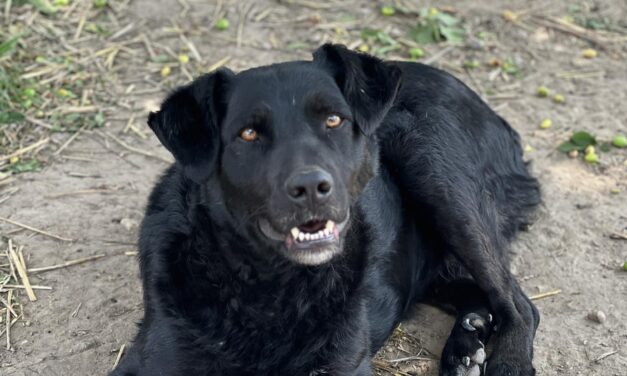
(312, 226)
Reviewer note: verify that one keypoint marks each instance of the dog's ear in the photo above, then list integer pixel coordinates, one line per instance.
(188, 123)
(368, 84)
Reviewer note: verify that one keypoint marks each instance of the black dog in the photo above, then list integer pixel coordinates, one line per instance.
(312, 204)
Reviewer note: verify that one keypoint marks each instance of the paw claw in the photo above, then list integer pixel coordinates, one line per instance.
(466, 325)
(466, 361)
(473, 321)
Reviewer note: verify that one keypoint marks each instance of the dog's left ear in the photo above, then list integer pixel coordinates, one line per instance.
(369, 84)
(188, 123)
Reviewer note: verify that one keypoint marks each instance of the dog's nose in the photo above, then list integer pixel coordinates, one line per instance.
(313, 186)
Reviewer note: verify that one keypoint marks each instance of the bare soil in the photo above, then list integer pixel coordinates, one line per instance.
(78, 327)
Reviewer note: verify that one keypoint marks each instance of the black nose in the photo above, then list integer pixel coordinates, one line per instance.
(313, 186)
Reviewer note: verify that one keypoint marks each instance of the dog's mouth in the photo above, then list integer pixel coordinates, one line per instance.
(311, 243)
(314, 231)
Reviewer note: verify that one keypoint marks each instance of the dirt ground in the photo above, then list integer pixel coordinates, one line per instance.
(95, 189)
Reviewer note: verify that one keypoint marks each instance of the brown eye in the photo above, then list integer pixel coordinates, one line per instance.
(334, 121)
(248, 135)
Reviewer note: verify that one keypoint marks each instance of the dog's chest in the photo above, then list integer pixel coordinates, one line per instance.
(286, 325)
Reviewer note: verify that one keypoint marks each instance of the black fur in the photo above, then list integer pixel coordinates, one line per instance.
(430, 181)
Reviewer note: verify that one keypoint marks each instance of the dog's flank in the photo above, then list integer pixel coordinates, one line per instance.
(312, 204)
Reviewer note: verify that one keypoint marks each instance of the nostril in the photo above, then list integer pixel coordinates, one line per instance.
(298, 192)
(324, 187)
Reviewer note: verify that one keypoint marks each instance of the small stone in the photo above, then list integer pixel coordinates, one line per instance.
(128, 223)
(597, 316)
(573, 153)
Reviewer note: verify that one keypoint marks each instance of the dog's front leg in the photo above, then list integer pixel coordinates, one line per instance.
(516, 317)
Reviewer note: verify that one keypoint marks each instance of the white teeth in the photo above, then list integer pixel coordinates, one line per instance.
(301, 236)
(329, 225)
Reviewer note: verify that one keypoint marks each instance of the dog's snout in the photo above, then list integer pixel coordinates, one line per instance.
(313, 186)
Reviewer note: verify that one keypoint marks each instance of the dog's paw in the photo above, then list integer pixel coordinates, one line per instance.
(463, 359)
(464, 353)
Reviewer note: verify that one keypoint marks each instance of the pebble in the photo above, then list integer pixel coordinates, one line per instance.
(597, 316)
(128, 223)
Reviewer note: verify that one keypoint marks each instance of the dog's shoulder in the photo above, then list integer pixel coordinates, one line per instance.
(166, 219)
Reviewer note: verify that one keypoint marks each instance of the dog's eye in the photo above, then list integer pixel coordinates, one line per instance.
(248, 134)
(333, 121)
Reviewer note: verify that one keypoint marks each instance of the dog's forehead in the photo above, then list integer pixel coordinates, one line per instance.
(281, 84)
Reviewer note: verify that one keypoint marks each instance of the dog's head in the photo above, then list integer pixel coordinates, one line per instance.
(288, 146)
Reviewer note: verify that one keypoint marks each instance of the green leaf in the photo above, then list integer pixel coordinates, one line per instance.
(583, 139)
(447, 19)
(369, 33)
(378, 35)
(385, 38)
(99, 119)
(44, 6)
(510, 67)
(453, 34)
(567, 147)
(424, 12)
(9, 117)
(26, 165)
(386, 49)
(162, 58)
(424, 33)
(9, 44)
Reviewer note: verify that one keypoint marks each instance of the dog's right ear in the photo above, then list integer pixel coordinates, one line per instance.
(188, 123)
